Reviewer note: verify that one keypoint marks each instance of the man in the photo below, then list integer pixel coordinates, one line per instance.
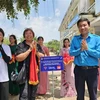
(86, 49)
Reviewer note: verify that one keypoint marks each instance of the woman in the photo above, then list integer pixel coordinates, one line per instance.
(44, 80)
(67, 75)
(5, 57)
(26, 53)
(13, 88)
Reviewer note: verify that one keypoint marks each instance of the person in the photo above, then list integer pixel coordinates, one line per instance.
(99, 76)
(44, 79)
(26, 53)
(67, 75)
(5, 57)
(86, 50)
(13, 88)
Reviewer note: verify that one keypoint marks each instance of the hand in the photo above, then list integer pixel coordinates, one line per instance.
(84, 45)
(32, 45)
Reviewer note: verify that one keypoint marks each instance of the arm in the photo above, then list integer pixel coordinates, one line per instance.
(96, 51)
(47, 51)
(73, 51)
(23, 56)
(4, 55)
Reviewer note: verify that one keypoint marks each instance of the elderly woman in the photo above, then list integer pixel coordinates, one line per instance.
(25, 53)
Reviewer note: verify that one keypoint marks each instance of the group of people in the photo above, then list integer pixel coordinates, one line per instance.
(81, 64)
(14, 56)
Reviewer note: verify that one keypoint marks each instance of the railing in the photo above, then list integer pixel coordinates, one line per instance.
(91, 9)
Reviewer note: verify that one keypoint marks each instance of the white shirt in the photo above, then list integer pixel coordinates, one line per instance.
(3, 65)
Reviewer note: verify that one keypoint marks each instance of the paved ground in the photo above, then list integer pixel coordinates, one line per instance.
(57, 79)
(57, 96)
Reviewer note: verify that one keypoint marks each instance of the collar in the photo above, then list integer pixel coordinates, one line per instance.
(89, 36)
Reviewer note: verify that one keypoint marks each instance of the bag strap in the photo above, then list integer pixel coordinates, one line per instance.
(16, 66)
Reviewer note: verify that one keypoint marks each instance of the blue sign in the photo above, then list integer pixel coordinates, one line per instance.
(74, 20)
(51, 63)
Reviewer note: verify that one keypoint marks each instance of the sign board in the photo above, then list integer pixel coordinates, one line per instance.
(51, 63)
(74, 21)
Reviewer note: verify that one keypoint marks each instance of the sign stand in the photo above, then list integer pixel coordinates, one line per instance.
(53, 84)
(52, 63)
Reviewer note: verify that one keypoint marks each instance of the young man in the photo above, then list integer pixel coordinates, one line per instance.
(86, 49)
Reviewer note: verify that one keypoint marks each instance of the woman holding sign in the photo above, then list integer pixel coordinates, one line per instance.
(67, 75)
(44, 80)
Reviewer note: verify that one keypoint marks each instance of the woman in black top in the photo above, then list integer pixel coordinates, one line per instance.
(23, 53)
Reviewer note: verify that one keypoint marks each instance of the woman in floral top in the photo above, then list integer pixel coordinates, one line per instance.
(67, 75)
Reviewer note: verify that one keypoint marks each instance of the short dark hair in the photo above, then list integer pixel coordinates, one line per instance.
(40, 37)
(83, 19)
(28, 29)
(1, 30)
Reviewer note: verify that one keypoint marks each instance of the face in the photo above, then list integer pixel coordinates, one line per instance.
(66, 43)
(83, 27)
(1, 37)
(11, 39)
(29, 35)
(40, 41)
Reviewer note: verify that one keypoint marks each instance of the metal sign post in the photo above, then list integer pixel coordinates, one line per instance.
(53, 84)
(51, 63)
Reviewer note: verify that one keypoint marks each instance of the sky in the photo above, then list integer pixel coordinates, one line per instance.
(44, 23)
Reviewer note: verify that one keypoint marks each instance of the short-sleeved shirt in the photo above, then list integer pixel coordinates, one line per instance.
(3, 65)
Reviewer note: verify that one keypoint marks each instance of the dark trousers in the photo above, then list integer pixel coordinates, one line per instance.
(27, 92)
(90, 76)
(4, 90)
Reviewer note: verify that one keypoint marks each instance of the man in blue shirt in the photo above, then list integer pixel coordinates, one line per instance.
(86, 49)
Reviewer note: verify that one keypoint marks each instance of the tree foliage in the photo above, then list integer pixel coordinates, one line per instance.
(13, 6)
(53, 45)
(6, 40)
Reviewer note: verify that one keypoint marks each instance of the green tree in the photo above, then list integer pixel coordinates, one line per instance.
(13, 6)
(6, 40)
(53, 45)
